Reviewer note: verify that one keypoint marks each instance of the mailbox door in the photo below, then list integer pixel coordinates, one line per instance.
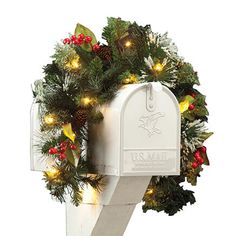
(150, 136)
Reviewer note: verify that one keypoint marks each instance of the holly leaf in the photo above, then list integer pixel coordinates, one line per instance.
(201, 111)
(189, 115)
(185, 102)
(193, 175)
(70, 157)
(189, 98)
(206, 160)
(206, 135)
(183, 106)
(73, 155)
(80, 29)
(76, 153)
(186, 75)
(68, 131)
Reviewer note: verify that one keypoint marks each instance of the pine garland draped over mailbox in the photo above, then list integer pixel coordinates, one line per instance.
(85, 74)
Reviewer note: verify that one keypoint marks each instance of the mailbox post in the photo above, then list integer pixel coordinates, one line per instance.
(138, 138)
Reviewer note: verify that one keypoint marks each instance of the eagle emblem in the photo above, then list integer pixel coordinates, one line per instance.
(149, 123)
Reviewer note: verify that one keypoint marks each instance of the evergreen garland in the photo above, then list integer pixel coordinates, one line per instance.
(85, 74)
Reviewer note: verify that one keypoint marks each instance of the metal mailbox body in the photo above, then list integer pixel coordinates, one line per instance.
(140, 133)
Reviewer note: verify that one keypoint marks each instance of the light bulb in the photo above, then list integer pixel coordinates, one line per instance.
(75, 64)
(53, 173)
(150, 191)
(158, 67)
(131, 79)
(128, 44)
(50, 119)
(86, 101)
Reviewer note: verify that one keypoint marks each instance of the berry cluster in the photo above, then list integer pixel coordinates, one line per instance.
(198, 157)
(192, 106)
(59, 152)
(81, 39)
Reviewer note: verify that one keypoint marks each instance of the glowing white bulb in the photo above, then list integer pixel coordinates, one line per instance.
(158, 67)
(49, 119)
(128, 44)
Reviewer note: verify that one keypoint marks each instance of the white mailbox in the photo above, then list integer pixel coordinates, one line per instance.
(140, 133)
(139, 137)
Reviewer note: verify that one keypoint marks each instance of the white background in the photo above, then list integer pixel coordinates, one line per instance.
(205, 34)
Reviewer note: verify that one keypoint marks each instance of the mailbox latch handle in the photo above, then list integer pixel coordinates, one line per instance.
(150, 98)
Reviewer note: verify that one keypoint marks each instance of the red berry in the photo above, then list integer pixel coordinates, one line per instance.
(81, 37)
(198, 158)
(203, 149)
(96, 47)
(191, 107)
(63, 149)
(73, 37)
(195, 165)
(66, 41)
(78, 42)
(88, 39)
(197, 154)
(52, 151)
(62, 156)
(73, 147)
(63, 144)
(201, 161)
(193, 94)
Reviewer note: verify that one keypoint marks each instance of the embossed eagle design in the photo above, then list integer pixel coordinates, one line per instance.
(149, 123)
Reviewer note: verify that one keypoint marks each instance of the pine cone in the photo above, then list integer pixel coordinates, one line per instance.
(81, 117)
(105, 53)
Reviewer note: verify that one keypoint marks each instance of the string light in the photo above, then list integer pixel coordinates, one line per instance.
(150, 191)
(73, 64)
(86, 101)
(128, 44)
(158, 67)
(90, 195)
(131, 79)
(53, 173)
(50, 119)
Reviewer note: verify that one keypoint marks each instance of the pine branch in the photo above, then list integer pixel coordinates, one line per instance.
(167, 195)
(71, 179)
(60, 92)
(186, 75)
